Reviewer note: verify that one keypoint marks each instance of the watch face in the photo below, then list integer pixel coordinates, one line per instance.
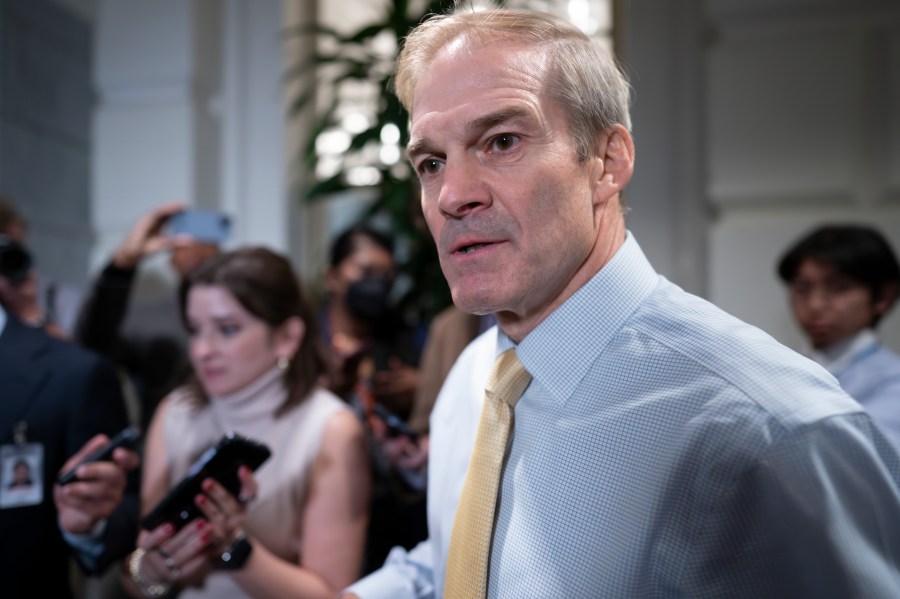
(235, 556)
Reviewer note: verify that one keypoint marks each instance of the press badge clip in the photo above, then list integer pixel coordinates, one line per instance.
(20, 433)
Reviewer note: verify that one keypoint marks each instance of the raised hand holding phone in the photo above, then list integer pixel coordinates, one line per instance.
(127, 437)
(97, 483)
(146, 237)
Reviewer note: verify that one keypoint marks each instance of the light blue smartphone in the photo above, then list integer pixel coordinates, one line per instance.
(207, 226)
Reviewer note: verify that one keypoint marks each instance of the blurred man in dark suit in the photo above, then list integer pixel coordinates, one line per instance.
(59, 403)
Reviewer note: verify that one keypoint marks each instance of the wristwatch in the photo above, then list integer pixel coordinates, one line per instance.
(236, 555)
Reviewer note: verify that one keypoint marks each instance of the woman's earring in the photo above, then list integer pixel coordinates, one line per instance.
(283, 363)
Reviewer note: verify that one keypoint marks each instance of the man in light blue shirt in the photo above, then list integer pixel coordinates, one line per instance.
(842, 280)
(663, 448)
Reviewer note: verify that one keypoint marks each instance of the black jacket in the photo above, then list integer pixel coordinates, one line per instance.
(66, 395)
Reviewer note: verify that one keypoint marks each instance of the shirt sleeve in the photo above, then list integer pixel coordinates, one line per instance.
(88, 546)
(813, 514)
(404, 575)
(884, 407)
(103, 311)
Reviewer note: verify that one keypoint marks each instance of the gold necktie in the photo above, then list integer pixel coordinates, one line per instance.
(473, 525)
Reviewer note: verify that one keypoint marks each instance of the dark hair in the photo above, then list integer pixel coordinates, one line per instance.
(265, 284)
(347, 242)
(856, 251)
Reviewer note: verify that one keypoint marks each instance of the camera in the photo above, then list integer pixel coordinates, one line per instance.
(15, 261)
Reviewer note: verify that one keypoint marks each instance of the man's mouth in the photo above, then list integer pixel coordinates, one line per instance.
(472, 248)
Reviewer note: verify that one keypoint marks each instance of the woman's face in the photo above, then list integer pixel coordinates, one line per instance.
(229, 347)
(368, 259)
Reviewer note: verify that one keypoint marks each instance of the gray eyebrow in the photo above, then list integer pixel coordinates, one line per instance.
(487, 121)
(495, 118)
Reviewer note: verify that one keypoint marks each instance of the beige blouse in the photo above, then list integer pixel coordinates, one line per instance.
(275, 516)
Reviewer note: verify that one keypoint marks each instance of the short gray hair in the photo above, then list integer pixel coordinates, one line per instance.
(584, 78)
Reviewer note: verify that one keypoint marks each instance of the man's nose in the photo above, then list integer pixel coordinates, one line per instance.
(817, 299)
(463, 189)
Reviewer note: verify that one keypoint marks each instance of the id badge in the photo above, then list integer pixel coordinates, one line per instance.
(21, 475)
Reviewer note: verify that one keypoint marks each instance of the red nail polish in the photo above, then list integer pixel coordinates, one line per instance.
(201, 499)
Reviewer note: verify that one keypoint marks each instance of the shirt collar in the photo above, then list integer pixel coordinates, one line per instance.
(840, 355)
(559, 351)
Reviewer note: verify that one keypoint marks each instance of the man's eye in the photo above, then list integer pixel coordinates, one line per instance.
(840, 287)
(504, 141)
(800, 289)
(429, 166)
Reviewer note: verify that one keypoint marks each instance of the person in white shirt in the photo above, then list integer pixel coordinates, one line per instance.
(662, 448)
(842, 280)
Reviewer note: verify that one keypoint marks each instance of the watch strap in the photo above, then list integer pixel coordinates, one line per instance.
(236, 555)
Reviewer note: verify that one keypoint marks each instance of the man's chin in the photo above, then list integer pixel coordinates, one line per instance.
(473, 303)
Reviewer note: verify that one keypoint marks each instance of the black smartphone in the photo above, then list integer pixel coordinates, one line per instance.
(219, 462)
(127, 437)
(396, 426)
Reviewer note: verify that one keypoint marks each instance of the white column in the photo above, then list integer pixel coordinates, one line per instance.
(253, 174)
(149, 97)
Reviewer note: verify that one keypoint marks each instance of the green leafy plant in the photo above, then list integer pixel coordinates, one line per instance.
(357, 137)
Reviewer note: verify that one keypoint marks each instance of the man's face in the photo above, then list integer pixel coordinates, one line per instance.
(21, 473)
(511, 209)
(830, 306)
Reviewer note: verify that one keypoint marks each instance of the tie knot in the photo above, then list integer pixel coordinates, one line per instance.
(509, 379)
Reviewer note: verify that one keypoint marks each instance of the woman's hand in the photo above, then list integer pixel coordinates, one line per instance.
(181, 558)
(225, 512)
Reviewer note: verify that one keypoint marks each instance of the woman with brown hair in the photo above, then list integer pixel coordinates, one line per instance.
(298, 526)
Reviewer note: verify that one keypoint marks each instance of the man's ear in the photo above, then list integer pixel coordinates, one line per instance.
(289, 336)
(615, 148)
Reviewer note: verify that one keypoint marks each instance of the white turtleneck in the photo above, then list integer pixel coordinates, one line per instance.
(255, 403)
